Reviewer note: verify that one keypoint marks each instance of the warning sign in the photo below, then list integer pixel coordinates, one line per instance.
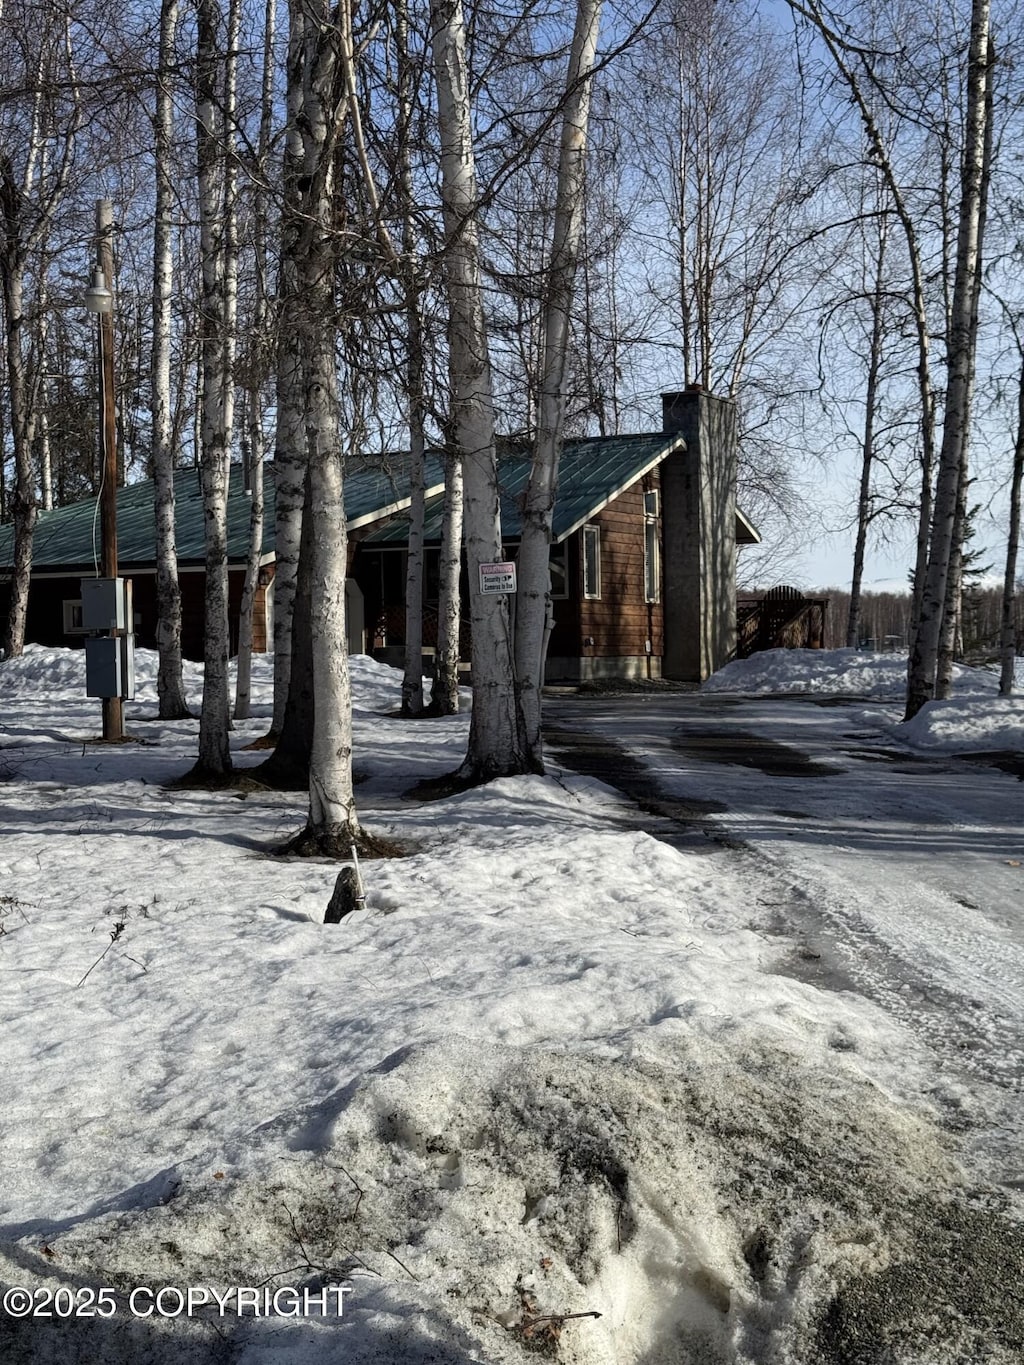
(498, 577)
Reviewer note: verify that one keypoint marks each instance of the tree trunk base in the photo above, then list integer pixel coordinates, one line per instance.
(202, 778)
(176, 713)
(337, 841)
(464, 779)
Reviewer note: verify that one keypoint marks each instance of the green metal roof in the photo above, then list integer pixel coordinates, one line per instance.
(69, 537)
(591, 473)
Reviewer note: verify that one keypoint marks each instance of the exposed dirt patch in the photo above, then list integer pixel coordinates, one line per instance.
(338, 843)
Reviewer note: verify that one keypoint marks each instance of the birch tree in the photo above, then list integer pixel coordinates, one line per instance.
(169, 685)
(37, 154)
(317, 49)
(1008, 625)
(444, 692)
(860, 83)
(214, 81)
(290, 437)
(256, 371)
(961, 350)
(533, 604)
(497, 740)
(412, 284)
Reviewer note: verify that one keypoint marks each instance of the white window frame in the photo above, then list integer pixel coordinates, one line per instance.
(652, 560)
(591, 591)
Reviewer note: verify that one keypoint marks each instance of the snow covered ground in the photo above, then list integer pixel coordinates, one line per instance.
(556, 1067)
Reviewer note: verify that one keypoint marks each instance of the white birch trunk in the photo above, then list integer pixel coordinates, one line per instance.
(332, 812)
(1008, 633)
(533, 605)
(169, 684)
(216, 420)
(290, 438)
(412, 678)
(496, 746)
(950, 634)
(23, 499)
(444, 694)
(867, 450)
(243, 664)
(331, 825)
(45, 449)
(258, 351)
(961, 348)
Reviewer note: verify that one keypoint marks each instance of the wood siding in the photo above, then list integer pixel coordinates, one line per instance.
(620, 621)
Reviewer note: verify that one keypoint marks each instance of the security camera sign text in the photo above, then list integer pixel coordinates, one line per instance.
(498, 577)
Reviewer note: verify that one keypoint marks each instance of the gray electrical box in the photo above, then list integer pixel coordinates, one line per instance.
(104, 607)
(110, 666)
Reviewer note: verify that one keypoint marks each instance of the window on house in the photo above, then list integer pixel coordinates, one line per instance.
(651, 502)
(73, 617)
(591, 561)
(559, 569)
(652, 560)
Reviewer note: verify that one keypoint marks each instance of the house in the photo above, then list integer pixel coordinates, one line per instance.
(66, 550)
(643, 556)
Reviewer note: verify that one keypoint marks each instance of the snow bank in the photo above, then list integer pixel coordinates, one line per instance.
(835, 672)
(554, 1067)
(965, 725)
(690, 1202)
(975, 718)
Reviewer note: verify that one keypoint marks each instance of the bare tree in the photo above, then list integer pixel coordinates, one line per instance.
(258, 356)
(214, 81)
(444, 693)
(412, 283)
(961, 350)
(1008, 626)
(290, 437)
(857, 74)
(533, 604)
(497, 738)
(170, 687)
(33, 183)
(319, 51)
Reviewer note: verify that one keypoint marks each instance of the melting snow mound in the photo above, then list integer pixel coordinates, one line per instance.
(698, 1203)
(835, 672)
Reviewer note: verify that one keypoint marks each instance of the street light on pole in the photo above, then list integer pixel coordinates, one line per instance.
(99, 299)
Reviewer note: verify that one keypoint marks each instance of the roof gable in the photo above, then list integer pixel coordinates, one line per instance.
(591, 474)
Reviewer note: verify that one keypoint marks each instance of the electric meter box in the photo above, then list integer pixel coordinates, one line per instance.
(105, 607)
(110, 666)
